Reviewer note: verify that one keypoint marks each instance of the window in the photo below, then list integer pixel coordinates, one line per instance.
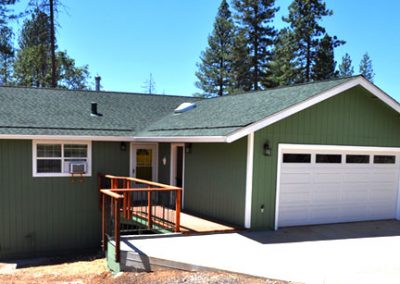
(297, 158)
(329, 159)
(380, 159)
(54, 158)
(357, 159)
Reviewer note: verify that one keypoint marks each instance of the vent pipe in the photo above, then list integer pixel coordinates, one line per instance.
(94, 110)
(97, 80)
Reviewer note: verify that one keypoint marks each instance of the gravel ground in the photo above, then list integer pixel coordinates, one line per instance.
(93, 270)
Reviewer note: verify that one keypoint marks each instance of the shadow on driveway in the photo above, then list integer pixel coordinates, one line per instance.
(370, 229)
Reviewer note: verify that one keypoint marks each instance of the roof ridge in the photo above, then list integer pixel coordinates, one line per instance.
(289, 86)
(96, 92)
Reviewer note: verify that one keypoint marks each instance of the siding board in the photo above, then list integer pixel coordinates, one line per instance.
(215, 180)
(353, 118)
(45, 215)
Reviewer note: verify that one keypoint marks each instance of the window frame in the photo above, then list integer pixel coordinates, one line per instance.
(62, 158)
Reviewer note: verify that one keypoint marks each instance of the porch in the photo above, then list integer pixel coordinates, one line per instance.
(133, 207)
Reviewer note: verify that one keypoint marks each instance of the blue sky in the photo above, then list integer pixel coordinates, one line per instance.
(124, 43)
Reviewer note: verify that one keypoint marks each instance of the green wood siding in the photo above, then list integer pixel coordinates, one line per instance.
(48, 215)
(164, 151)
(215, 179)
(353, 118)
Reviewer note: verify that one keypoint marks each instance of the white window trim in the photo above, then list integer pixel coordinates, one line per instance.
(62, 174)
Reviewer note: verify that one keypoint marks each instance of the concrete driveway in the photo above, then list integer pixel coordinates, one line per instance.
(364, 252)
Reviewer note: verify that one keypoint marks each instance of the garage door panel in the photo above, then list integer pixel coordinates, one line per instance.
(296, 178)
(317, 193)
(323, 178)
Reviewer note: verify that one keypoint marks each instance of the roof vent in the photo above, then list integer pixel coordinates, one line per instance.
(94, 110)
(184, 107)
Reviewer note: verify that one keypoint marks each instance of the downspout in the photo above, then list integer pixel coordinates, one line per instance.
(249, 180)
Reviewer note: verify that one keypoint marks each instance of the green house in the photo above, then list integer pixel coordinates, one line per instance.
(323, 152)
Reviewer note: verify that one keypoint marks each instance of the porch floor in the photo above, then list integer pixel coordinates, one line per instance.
(190, 224)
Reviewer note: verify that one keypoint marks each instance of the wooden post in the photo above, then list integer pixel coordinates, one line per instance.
(149, 224)
(103, 222)
(129, 206)
(178, 211)
(116, 230)
(124, 210)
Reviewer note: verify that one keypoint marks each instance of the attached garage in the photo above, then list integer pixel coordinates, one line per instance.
(332, 184)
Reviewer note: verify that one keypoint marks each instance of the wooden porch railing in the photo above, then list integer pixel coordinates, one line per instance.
(140, 200)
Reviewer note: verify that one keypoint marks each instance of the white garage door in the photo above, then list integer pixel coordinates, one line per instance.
(336, 184)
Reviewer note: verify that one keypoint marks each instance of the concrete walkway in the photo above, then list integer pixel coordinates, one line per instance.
(365, 252)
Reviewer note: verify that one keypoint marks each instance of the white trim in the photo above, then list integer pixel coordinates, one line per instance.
(62, 142)
(343, 148)
(359, 81)
(182, 139)
(177, 139)
(249, 180)
(172, 171)
(132, 158)
(67, 137)
(278, 187)
(338, 147)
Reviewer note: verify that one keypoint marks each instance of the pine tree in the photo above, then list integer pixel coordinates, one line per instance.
(304, 17)
(345, 68)
(325, 65)
(281, 67)
(215, 68)
(366, 67)
(6, 56)
(6, 43)
(240, 65)
(254, 18)
(33, 67)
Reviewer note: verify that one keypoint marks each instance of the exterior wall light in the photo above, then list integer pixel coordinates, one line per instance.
(267, 148)
(123, 146)
(188, 148)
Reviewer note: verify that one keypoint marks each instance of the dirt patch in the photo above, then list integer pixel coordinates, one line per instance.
(94, 270)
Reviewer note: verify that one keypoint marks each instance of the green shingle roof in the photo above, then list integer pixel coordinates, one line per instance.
(31, 111)
(223, 115)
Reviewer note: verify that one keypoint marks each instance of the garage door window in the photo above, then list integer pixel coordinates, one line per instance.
(357, 159)
(328, 159)
(380, 159)
(297, 158)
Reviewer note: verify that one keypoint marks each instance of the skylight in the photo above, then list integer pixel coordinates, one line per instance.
(184, 107)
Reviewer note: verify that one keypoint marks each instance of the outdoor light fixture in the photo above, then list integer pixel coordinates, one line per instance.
(188, 148)
(267, 148)
(123, 146)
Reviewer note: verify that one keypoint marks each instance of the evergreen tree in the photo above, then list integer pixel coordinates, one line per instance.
(254, 18)
(304, 17)
(281, 67)
(6, 44)
(325, 65)
(240, 65)
(366, 67)
(6, 55)
(33, 67)
(345, 68)
(215, 68)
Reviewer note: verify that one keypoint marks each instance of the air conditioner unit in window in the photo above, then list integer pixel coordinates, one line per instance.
(78, 167)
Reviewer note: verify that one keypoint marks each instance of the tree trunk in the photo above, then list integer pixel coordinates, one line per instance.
(308, 61)
(53, 47)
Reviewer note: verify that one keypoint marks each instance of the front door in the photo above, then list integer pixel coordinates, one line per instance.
(144, 161)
